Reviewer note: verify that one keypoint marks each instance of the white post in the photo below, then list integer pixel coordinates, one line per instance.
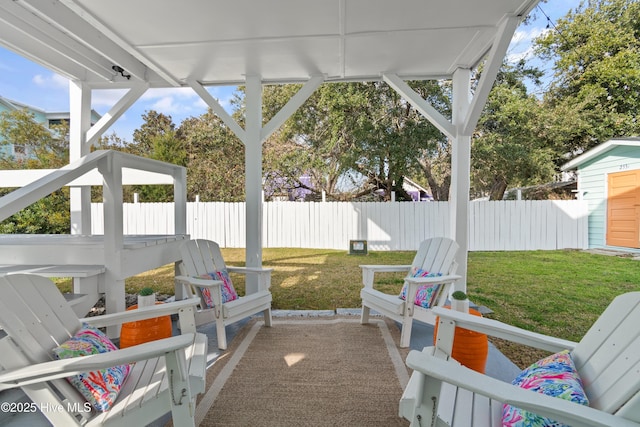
(460, 170)
(111, 171)
(79, 124)
(252, 137)
(253, 178)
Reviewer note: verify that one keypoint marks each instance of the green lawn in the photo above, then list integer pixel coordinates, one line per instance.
(559, 293)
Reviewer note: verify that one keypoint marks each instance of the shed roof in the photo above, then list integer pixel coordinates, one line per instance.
(600, 150)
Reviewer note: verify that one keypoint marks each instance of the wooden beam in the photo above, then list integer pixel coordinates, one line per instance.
(77, 25)
(23, 26)
(489, 73)
(217, 109)
(291, 106)
(113, 47)
(115, 112)
(420, 104)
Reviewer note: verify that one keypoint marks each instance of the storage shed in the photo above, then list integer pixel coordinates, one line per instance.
(609, 180)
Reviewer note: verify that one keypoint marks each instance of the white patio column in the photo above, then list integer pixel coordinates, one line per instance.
(253, 178)
(79, 124)
(460, 171)
(252, 136)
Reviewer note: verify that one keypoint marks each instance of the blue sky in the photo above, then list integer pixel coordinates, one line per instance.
(24, 81)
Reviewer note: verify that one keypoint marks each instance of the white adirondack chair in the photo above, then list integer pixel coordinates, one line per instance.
(435, 255)
(167, 375)
(201, 257)
(607, 360)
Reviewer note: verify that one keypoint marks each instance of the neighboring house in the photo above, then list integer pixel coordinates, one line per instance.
(609, 180)
(45, 118)
(416, 191)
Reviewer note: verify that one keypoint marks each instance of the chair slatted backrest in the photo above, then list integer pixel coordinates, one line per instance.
(37, 318)
(201, 257)
(608, 358)
(436, 255)
(35, 315)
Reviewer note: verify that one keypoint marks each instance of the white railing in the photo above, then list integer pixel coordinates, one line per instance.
(111, 169)
(503, 225)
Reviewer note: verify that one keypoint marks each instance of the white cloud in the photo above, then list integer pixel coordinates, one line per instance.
(521, 46)
(200, 104)
(177, 92)
(172, 101)
(224, 95)
(184, 101)
(51, 81)
(168, 105)
(106, 97)
(527, 36)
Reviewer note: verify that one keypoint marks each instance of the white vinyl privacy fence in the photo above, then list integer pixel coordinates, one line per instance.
(493, 226)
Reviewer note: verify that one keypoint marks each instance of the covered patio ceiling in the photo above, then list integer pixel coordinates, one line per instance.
(142, 44)
(215, 42)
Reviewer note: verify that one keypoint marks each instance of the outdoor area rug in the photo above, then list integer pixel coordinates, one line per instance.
(307, 372)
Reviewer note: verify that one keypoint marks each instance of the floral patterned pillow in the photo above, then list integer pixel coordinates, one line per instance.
(554, 375)
(228, 291)
(427, 294)
(100, 388)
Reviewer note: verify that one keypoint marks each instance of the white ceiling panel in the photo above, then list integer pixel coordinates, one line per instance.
(165, 42)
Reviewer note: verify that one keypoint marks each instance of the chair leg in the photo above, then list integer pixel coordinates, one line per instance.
(405, 334)
(221, 334)
(183, 404)
(364, 317)
(181, 415)
(267, 317)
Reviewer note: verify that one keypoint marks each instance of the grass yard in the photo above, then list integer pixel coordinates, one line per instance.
(559, 293)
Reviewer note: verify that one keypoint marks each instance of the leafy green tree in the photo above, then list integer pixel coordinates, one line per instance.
(312, 142)
(215, 159)
(156, 139)
(166, 147)
(509, 148)
(349, 136)
(154, 125)
(595, 91)
(42, 148)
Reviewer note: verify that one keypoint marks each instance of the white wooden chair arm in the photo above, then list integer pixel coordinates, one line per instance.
(249, 270)
(557, 409)
(157, 310)
(368, 272)
(435, 279)
(64, 368)
(263, 274)
(197, 281)
(414, 283)
(498, 329)
(386, 268)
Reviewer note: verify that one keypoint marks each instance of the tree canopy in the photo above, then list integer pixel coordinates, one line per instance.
(37, 148)
(595, 91)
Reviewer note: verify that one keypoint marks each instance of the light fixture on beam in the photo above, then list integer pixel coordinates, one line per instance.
(120, 70)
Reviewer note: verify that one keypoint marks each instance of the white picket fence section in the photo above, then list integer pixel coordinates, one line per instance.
(493, 226)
